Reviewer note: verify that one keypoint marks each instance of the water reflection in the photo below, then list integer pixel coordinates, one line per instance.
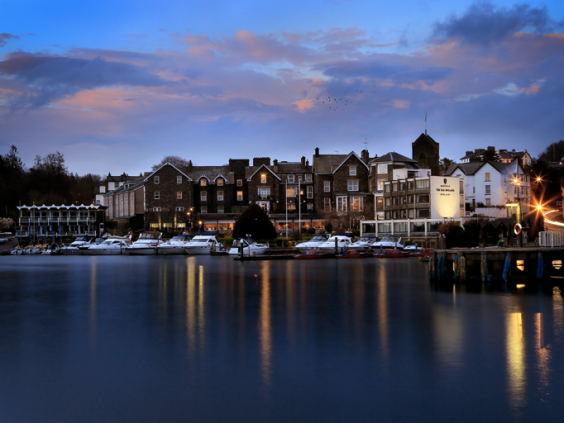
(543, 354)
(515, 351)
(382, 308)
(265, 324)
(93, 303)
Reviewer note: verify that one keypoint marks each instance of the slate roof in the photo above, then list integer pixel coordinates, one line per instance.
(251, 170)
(327, 163)
(211, 173)
(393, 157)
(472, 167)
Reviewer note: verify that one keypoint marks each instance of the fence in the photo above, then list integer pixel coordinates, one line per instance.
(551, 239)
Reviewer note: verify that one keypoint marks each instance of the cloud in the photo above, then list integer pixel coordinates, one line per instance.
(483, 23)
(49, 78)
(5, 36)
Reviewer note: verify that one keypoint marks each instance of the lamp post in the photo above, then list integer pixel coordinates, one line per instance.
(300, 207)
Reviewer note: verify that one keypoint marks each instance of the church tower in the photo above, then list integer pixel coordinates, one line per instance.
(426, 151)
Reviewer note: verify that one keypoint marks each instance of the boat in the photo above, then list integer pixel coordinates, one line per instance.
(175, 245)
(83, 249)
(111, 246)
(313, 255)
(52, 249)
(312, 244)
(391, 253)
(203, 243)
(364, 243)
(354, 254)
(146, 244)
(388, 241)
(18, 251)
(74, 247)
(249, 246)
(419, 252)
(343, 241)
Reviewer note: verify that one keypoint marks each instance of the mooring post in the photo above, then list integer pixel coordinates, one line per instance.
(484, 268)
(506, 267)
(462, 267)
(336, 246)
(540, 266)
(455, 266)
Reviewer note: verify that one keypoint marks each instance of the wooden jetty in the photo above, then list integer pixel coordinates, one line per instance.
(507, 265)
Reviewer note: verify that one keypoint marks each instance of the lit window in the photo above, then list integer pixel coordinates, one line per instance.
(356, 204)
(179, 195)
(263, 193)
(263, 178)
(220, 182)
(291, 192)
(204, 196)
(352, 185)
(381, 185)
(157, 195)
(239, 195)
(352, 170)
(204, 209)
(309, 192)
(157, 180)
(341, 204)
(327, 186)
(179, 179)
(487, 177)
(327, 204)
(291, 206)
(239, 182)
(203, 182)
(291, 179)
(220, 196)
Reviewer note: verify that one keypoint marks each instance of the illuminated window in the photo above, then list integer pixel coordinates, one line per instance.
(327, 204)
(352, 185)
(219, 182)
(220, 196)
(264, 193)
(179, 195)
(239, 195)
(263, 178)
(291, 206)
(352, 170)
(291, 192)
(356, 203)
(309, 192)
(341, 204)
(487, 177)
(179, 179)
(327, 186)
(156, 180)
(381, 185)
(204, 196)
(239, 182)
(203, 182)
(157, 195)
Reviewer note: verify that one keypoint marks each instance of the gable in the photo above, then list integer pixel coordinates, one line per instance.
(167, 164)
(259, 169)
(349, 157)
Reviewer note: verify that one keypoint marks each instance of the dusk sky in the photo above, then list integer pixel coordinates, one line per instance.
(117, 85)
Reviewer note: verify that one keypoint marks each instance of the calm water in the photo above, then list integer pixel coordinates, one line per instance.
(207, 339)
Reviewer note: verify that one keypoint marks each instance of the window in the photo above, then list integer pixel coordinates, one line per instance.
(356, 203)
(156, 180)
(204, 196)
(291, 192)
(394, 187)
(381, 185)
(473, 190)
(219, 182)
(220, 196)
(179, 195)
(309, 206)
(203, 182)
(239, 182)
(423, 213)
(341, 204)
(179, 179)
(388, 201)
(327, 186)
(157, 195)
(204, 209)
(291, 179)
(263, 193)
(488, 201)
(239, 195)
(352, 185)
(382, 169)
(220, 209)
(156, 209)
(488, 189)
(309, 192)
(291, 206)
(411, 214)
(180, 209)
(423, 198)
(379, 204)
(487, 177)
(402, 186)
(352, 170)
(422, 183)
(410, 185)
(263, 178)
(410, 199)
(308, 177)
(387, 187)
(327, 204)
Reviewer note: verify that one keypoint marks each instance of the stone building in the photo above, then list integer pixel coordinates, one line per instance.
(425, 150)
(126, 205)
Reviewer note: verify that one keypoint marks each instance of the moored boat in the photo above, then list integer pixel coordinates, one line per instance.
(146, 244)
(175, 245)
(388, 241)
(313, 255)
(364, 243)
(354, 254)
(312, 244)
(342, 242)
(74, 247)
(204, 243)
(391, 253)
(249, 247)
(111, 246)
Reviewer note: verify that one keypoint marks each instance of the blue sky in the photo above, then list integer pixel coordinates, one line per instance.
(115, 86)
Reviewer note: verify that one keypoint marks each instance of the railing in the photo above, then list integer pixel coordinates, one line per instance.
(551, 239)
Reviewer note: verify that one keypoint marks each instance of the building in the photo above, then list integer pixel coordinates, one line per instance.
(111, 183)
(126, 205)
(426, 151)
(502, 155)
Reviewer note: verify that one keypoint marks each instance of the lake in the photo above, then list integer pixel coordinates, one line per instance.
(208, 339)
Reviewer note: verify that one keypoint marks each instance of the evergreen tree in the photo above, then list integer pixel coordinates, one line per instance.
(255, 222)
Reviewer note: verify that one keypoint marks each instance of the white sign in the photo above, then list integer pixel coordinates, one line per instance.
(445, 197)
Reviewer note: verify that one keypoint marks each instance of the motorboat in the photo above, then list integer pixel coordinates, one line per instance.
(249, 246)
(313, 255)
(79, 241)
(38, 249)
(312, 244)
(419, 252)
(52, 249)
(388, 241)
(342, 241)
(204, 243)
(175, 245)
(364, 243)
(111, 246)
(146, 244)
(18, 251)
(391, 253)
(354, 254)
(83, 249)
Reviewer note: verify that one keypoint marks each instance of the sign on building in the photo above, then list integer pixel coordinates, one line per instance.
(445, 197)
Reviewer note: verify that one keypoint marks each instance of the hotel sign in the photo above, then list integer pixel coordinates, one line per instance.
(445, 197)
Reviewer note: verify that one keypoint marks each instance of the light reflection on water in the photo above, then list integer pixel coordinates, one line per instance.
(327, 340)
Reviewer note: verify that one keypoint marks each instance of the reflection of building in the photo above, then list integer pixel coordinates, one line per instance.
(57, 221)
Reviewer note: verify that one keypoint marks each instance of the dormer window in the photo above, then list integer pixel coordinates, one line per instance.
(219, 182)
(157, 180)
(263, 178)
(203, 182)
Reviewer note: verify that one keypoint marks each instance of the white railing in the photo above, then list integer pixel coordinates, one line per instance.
(551, 239)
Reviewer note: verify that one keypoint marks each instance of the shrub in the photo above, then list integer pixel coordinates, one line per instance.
(310, 231)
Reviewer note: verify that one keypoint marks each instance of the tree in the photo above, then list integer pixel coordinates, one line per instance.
(444, 164)
(491, 156)
(553, 153)
(176, 161)
(255, 222)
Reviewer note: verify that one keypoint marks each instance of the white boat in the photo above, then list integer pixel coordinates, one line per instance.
(388, 241)
(174, 245)
(364, 243)
(312, 244)
(80, 241)
(52, 249)
(250, 247)
(146, 244)
(203, 244)
(111, 246)
(343, 241)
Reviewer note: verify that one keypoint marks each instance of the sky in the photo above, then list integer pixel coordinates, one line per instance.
(117, 85)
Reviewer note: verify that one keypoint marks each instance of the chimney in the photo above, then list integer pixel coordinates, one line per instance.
(490, 148)
(303, 160)
(468, 153)
(189, 165)
(259, 161)
(275, 163)
(316, 151)
(365, 156)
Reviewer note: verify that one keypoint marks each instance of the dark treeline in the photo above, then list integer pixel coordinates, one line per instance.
(548, 167)
(47, 182)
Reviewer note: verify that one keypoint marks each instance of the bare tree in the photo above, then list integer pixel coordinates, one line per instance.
(176, 161)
